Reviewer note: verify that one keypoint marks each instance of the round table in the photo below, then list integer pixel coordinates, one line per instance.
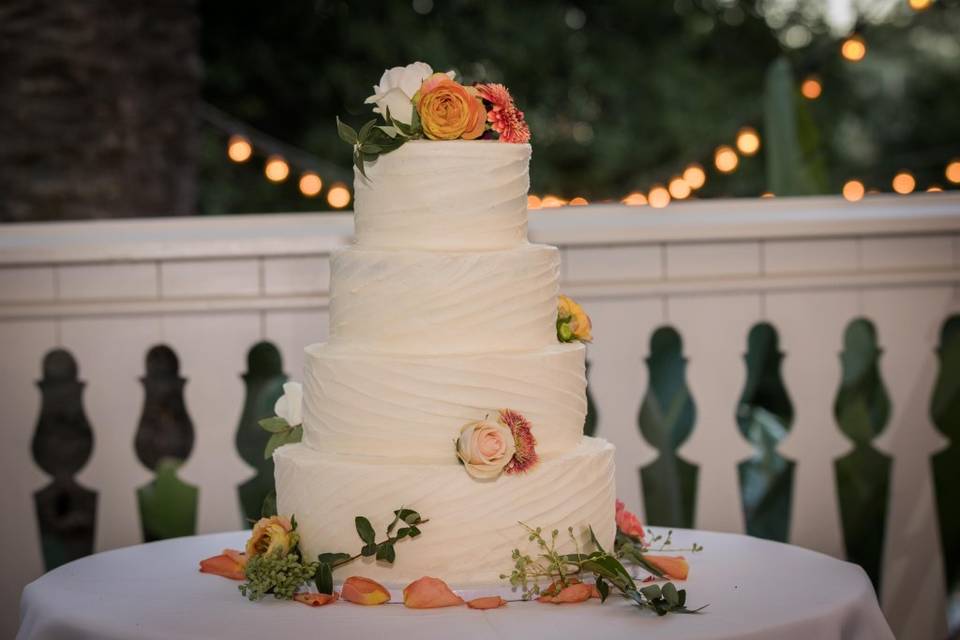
(754, 589)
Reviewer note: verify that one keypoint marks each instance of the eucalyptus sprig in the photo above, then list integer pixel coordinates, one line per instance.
(634, 550)
(383, 551)
(606, 568)
(375, 140)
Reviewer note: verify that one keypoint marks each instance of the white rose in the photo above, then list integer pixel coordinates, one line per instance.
(485, 448)
(397, 88)
(290, 405)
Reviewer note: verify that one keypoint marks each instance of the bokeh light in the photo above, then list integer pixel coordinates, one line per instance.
(276, 169)
(310, 184)
(952, 172)
(853, 190)
(338, 196)
(695, 176)
(239, 148)
(678, 187)
(854, 48)
(552, 202)
(748, 141)
(533, 202)
(934, 188)
(579, 201)
(811, 88)
(725, 159)
(904, 183)
(658, 197)
(635, 199)
(920, 5)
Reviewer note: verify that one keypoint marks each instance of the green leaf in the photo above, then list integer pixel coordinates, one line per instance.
(365, 530)
(333, 558)
(324, 578)
(593, 538)
(368, 148)
(386, 552)
(290, 436)
(603, 588)
(269, 507)
(275, 424)
(365, 130)
(358, 162)
(669, 592)
(346, 132)
(408, 515)
(414, 532)
(403, 532)
(368, 550)
(651, 592)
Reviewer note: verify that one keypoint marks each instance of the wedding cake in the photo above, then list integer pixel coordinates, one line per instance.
(444, 386)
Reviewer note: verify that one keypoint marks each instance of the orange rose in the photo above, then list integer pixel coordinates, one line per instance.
(628, 523)
(448, 110)
(271, 535)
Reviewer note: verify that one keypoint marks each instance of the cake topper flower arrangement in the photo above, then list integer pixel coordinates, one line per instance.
(413, 102)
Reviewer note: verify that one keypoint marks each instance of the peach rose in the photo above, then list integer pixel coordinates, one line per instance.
(271, 535)
(364, 591)
(485, 448)
(627, 522)
(448, 110)
(573, 323)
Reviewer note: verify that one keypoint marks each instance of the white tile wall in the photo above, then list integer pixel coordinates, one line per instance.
(722, 259)
(26, 284)
(108, 281)
(296, 276)
(611, 264)
(905, 252)
(810, 256)
(198, 278)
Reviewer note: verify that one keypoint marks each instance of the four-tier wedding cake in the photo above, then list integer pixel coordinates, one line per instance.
(444, 386)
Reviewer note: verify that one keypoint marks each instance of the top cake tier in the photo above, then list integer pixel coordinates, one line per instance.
(444, 196)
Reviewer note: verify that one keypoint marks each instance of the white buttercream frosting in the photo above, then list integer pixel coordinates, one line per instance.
(412, 406)
(442, 302)
(450, 195)
(473, 523)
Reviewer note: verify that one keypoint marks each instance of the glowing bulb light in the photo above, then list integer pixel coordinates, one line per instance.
(695, 176)
(767, 194)
(276, 169)
(934, 189)
(239, 149)
(533, 202)
(579, 201)
(952, 172)
(658, 197)
(853, 190)
(635, 199)
(310, 184)
(725, 159)
(904, 183)
(552, 202)
(748, 141)
(920, 5)
(854, 48)
(811, 88)
(338, 196)
(679, 188)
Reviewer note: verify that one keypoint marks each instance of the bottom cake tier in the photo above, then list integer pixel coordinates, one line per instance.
(474, 525)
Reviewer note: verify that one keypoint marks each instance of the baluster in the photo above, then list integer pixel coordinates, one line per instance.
(62, 444)
(862, 409)
(264, 385)
(666, 420)
(764, 415)
(945, 412)
(164, 439)
(590, 423)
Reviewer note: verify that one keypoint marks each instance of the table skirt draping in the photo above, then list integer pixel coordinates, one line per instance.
(754, 589)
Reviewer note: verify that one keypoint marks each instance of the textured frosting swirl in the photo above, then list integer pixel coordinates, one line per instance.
(473, 523)
(411, 406)
(440, 302)
(449, 195)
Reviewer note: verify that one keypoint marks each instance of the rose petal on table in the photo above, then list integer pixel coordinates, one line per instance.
(487, 602)
(429, 593)
(316, 599)
(579, 592)
(364, 591)
(554, 587)
(674, 567)
(223, 565)
(237, 556)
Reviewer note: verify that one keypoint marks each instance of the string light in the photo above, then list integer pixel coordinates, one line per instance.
(920, 5)
(239, 149)
(533, 202)
(952, 172)
(552, 202)
(725, 159)
(658, 197)
(695, 176)
(904, 183)
(934, 189)
(276, 169)
(338, 196)
(811, 88)
(748, 141)
(854, 48)
(310, 184)
(579, 201)
(635, 199)
(766, 194)
(853, 190)
(679, 188)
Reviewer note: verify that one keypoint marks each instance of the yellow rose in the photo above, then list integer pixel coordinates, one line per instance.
(271, 535)
(448, 110)
(572, 321)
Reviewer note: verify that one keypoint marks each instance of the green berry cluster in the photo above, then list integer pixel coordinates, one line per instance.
(281, 575)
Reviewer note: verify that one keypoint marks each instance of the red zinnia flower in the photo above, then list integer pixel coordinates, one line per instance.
(503, 115)
(525, 455)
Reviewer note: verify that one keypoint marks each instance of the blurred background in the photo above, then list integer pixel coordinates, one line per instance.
(130, 110)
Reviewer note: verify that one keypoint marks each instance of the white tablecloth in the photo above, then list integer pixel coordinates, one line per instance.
(755, 589)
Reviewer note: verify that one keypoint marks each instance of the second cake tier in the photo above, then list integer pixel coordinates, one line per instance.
(410, 407)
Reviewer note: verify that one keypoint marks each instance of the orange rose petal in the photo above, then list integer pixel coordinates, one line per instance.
(674, 567)
(316, 599)
(364, 591)
(237, 556)
(222, 565)
(574, 593)
(487, 602)
(429, 593)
